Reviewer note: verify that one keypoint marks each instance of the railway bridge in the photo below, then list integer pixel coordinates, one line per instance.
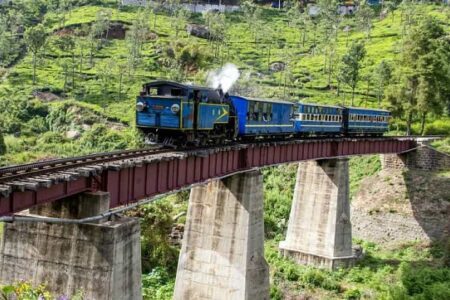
(64, 225)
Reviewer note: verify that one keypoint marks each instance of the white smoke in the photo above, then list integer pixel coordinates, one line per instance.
(224, 77)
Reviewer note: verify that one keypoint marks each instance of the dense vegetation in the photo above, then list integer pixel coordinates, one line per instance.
(67, 65)
(70, 70)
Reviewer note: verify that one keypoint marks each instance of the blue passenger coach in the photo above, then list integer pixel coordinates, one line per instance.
(318, 119)
(263, 117)
(363, 121)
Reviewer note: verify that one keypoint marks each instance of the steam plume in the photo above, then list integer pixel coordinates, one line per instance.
(224, 77)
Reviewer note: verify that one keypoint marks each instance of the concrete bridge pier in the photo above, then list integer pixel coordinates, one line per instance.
(222, 255)
(319, 229)
(102, 259)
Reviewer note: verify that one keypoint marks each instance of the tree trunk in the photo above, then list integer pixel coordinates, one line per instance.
(91, 56)
(120, 85)
(73, 71)
(408, 123)
(422, 123)
(34, 68)
(353, 95)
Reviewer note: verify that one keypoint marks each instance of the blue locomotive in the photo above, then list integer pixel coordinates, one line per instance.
(177, 114)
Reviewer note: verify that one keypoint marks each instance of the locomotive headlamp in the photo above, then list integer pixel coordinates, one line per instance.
(140, 106)
(175, 108)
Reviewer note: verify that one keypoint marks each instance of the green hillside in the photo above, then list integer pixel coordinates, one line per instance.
(84, 78)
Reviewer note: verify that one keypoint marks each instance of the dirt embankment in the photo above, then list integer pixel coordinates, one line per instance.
(395, 206)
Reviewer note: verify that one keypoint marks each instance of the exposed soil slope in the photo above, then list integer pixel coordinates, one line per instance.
(395, 206)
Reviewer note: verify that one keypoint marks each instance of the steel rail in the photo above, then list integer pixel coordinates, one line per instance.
(44, 167)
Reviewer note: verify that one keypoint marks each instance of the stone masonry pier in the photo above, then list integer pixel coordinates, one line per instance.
(222, 255)
(103, 259)
(319, 230)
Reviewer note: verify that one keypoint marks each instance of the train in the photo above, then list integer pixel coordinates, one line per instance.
(183, 115)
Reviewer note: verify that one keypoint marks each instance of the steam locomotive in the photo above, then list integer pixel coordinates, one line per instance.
(182, 115)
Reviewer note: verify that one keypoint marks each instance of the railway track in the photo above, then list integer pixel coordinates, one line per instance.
(17, 172)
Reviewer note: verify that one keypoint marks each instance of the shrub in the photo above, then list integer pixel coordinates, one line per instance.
(156, 224)
(157, 285)
(275, 293)
(24, 290)
(425, 280)
(51, 137)
(352, 294)
(313, 277)
(292, 273)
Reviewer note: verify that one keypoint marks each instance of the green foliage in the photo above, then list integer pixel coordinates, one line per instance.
(24, 291)
(442, 145)
(426, 282)
(279, 185)
(156, 224)
(275, 293)
(103, 139)
(422, 76)
(35, 38)
(157, 285)
(353, 294)
(351, 65)
(360, 168)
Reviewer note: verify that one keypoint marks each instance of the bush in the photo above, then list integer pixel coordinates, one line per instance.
(275, 293)
(51, 138)
(425, 280)
(352, 294)
(157, 285)
(156, 224)
(439, 127)
(24, 290)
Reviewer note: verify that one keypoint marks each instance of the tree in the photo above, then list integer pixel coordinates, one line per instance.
(104, 73)
(35, 38)
(422, 76)
(99, 30)
(364, 16)
(382, 75)
(351, 65)
(217, 26)
(67, 44)
(136, 37)
(300, 19)
(180, 16)
(9, 44)
(156, 225)
(329, 21)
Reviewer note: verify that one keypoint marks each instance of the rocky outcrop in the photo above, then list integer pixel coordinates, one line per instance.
(199, 31)
(277, 66)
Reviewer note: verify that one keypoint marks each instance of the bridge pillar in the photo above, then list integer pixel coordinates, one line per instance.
(222, 255)
(319, 229)
(103, 259)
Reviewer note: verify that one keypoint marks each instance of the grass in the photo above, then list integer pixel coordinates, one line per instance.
(381, 274)
(442, 145)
